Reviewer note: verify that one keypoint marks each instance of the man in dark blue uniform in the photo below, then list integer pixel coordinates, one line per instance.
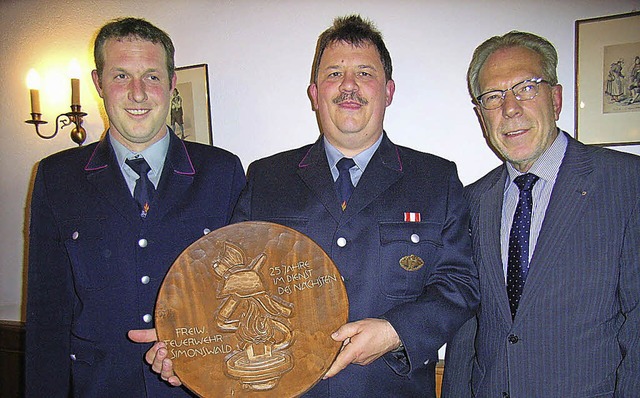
(109, 219)
(399, 236)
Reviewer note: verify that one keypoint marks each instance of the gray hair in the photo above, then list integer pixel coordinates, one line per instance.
(539, 45)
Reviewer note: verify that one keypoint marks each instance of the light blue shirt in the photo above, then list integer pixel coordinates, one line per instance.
(546, 167)
(154, 155)
(362, 160)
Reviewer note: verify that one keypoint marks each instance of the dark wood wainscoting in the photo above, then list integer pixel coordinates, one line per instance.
(11, 359)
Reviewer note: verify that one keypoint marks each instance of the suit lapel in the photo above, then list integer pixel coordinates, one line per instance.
(313, 169)
(489, 216)
(177, 176)
(104, 174)
(566, 206)
(383, 170)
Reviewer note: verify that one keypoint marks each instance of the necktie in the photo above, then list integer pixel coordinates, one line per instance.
(144, 190)
(518, 260)
(344, 186)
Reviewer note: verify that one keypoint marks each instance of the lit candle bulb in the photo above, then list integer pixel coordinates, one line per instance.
(74, 73)
(33, 83)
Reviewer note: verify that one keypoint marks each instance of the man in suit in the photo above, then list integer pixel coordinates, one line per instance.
(560, 308)
(104, 232)
(400, 240)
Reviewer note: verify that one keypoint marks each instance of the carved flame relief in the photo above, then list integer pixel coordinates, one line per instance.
(258, 318)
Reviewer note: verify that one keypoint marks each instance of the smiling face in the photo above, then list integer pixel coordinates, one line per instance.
(350, 96)
(136, 88)
(520, 130)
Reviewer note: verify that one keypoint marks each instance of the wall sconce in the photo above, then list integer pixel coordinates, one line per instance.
(78, 133)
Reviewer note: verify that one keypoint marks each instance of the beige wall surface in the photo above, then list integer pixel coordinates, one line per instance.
(259, 55)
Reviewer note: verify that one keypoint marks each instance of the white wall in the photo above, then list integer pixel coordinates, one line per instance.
(259, 55)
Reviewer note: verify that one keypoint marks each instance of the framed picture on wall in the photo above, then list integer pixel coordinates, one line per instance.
(607, 97)
(190, 110)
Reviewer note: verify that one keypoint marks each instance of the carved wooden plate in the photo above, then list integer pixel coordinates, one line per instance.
(248, 311)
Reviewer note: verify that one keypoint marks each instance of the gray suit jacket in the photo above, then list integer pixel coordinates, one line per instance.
(577, 330)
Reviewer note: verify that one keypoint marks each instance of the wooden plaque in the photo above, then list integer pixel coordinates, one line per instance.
(248, 311)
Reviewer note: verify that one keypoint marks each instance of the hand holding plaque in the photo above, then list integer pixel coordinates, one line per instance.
(248, 310)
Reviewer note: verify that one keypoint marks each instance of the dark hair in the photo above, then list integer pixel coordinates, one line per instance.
(132, 28)
(354, 30)
(535, 43)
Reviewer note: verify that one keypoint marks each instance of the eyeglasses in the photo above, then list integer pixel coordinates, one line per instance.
(524, 91)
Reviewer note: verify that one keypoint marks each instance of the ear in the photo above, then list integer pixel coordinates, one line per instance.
(390, 89)
(96, 82)
(174, 81)
(556, 97)
(480, 117)
(313, 94)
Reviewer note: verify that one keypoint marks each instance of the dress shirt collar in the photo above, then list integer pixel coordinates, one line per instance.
(154, 154)
(547, 165)
(362, 159)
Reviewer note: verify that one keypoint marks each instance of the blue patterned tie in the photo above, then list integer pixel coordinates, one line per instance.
(144, 190)
(343, 184)
(518, 260)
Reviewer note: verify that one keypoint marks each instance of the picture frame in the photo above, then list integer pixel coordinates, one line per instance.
(190, 104)
(607, 80)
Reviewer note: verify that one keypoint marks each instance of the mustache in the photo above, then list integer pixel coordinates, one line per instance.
(350, 97)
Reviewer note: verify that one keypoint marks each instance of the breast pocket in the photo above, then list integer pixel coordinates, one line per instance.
(408, 251)
(89, 252)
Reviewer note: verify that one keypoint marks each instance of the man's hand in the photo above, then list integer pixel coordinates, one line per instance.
(157, 355)
(363, 342)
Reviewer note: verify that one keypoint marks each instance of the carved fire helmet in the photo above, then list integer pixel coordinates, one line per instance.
(243, 283)
(239, 278)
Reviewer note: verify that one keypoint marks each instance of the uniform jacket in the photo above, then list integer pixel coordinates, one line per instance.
(366, 242)
(577, 329)
(95, 266)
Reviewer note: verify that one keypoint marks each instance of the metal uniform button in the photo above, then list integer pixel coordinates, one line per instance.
(75, 235)
(206, 231)
(415, 238)
(147, 318)
(145, 279)
(142, 242)
(73, 357)
(342, 242)
(513, 339)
